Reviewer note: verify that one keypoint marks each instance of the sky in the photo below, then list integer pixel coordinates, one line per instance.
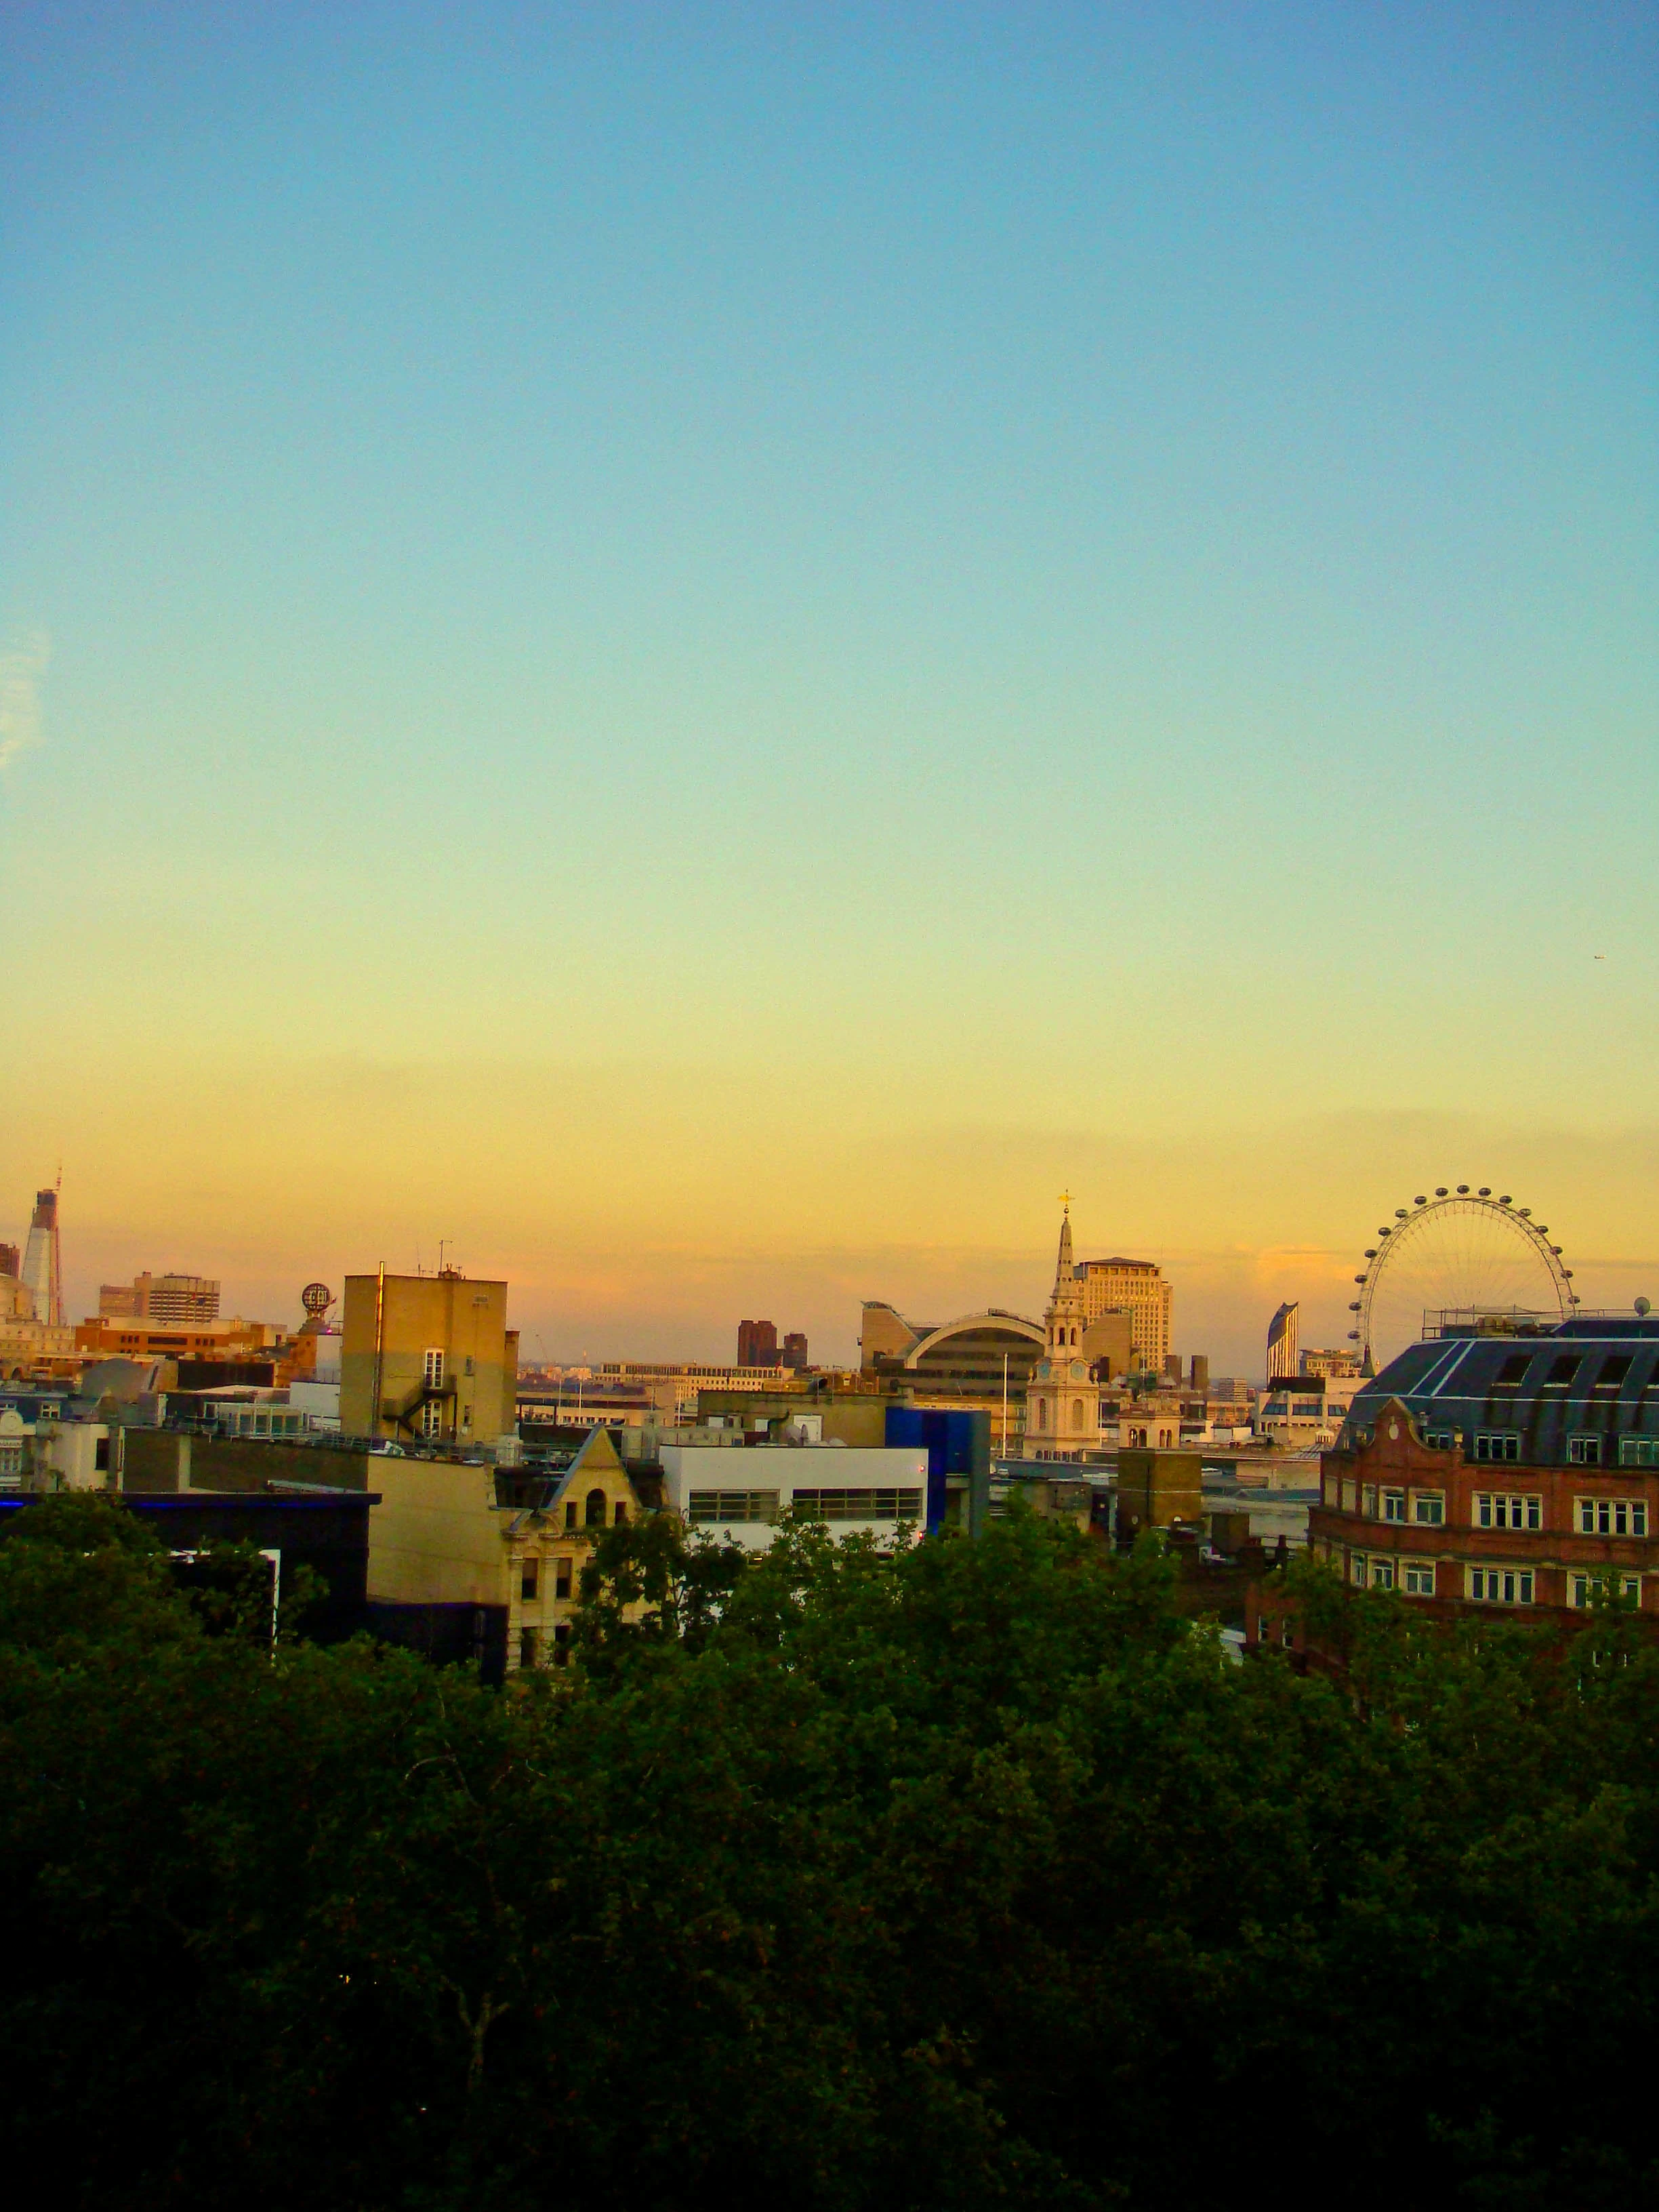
(711, 651)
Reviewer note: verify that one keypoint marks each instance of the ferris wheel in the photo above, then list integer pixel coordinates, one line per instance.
(1460, 1251)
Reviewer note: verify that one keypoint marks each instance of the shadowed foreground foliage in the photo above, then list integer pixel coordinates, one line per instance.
(974, 1879)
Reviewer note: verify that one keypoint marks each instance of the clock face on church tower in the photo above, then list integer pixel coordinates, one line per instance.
(1079, 1371)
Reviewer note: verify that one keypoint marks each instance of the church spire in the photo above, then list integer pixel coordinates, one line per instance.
(1063, 1268)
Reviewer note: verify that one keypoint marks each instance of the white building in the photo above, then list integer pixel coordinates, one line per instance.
(740, 1495)
(1305, 1414)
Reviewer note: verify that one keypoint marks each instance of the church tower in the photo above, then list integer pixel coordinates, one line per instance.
(1062, 1399)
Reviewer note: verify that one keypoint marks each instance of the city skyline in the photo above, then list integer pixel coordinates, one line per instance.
(712, 654)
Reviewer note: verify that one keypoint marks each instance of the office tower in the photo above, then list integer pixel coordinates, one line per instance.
(1200, 1373)
(757, 1344)
(1281, 1343)
(11, 1259)
(43, 1265)
(170, 1301)
(794, 1351)
(1137, 1285)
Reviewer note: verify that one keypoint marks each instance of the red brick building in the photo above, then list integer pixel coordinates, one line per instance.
(1498, 1473)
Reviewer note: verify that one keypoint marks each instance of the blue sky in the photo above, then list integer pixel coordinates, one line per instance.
(731, 607)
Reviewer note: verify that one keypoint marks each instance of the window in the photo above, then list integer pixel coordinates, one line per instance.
(1369, 1505)
(620, 1513)
(1497, 1509)
(526, 1647)
(561, 1579)
(1428, 1508)
(1611, 1516)
(561, 1645)
(1356, 1568)
(528, 1579)
(1562, 1370)
(859, 1505)
(1419, 1577)
(1638, 1451)
(432, 1418)
(1441, 1439)
(1350, 1498)
(1614, 1372)
(570, 1513)
(1042, 1414)
(1585, 1590)
(1584, 1451)
(593, 1509)
(1497, 1444)
(1501, 1585)
(433, 1373)
(1514, 1368)
(1381, 1574)
(731, 1506)
(1393, 1506)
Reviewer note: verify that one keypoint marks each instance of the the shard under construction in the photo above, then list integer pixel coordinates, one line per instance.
(42, 1266)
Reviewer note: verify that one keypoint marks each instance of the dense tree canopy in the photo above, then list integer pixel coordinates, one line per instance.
(975, 1877)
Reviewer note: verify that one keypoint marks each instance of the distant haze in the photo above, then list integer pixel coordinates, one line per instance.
(711, 654)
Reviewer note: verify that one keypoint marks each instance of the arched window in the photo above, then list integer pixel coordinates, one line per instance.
(621, 1511)
(1077, 1412)
(595, 1512)
(1042, 1414)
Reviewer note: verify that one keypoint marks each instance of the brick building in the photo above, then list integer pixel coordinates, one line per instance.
(1488, 1470)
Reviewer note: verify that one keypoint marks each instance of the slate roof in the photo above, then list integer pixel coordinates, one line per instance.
(1596, 1374)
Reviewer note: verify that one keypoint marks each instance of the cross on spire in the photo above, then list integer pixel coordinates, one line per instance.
(1065, 1200)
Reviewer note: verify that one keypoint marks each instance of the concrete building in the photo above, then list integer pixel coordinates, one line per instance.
(171, 1301)
(1491, 1471)
(1281, 1343)
(102, 1336)
(1304, 1412)
(740, 1497)
(428, 1359)
(1108, 1344)
(1138, 1287)
(1159, 1488)
(1062, 1399)
(793, 1354)
(1336, 1362)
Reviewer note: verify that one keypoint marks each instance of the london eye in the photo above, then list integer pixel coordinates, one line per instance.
(1461, 1252)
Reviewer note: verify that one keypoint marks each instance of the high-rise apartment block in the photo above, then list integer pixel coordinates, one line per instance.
(793, 1354)
(1138, 1286)
(1281, 1343)
(170, 1301)
(757, 1344)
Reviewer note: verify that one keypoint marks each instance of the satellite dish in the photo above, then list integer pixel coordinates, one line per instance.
(1643, 1308)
